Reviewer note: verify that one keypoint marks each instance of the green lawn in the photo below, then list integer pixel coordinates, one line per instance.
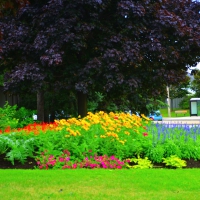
(164, 113)
(100, 184)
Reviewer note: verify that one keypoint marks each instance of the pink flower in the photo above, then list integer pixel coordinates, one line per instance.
(67, 159)
(61, 159)
(104, 165)
(52, 162)
(66, 152)
(74, 166)
(112, 157)
(120, 162)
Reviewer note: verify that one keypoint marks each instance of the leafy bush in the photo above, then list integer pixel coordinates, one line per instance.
(139, 163)
(7, 117)
(156, 153)
(12, 117)
(174, 161)
(16, 147)
(24, 117)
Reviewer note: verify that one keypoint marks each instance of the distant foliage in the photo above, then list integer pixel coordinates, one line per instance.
(12, 117)
(185, 103)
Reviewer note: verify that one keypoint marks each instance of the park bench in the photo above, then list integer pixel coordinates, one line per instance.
(181, 112)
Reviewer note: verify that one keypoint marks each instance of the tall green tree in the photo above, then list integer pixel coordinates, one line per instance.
(181, 89)
(195, 85)
(120, 48)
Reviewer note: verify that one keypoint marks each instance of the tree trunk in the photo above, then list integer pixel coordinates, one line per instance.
(40, 105)
(82, 104)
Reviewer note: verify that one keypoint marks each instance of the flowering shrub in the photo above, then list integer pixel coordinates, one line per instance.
(46, 161)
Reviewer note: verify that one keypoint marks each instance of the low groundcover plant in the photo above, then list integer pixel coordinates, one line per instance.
(46, 161)
(174, 162)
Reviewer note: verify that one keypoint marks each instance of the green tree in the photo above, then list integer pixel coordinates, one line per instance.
(181, 89)
(195, 85)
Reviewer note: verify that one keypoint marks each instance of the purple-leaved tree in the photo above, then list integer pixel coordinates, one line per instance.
(132, 47)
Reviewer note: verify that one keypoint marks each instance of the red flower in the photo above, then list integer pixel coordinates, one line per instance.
(7, 130)
(145, 134)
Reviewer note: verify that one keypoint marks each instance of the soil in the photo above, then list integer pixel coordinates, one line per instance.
(5, 164)
(31, 164)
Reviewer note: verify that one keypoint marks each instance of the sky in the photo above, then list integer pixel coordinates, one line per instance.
(197, 67)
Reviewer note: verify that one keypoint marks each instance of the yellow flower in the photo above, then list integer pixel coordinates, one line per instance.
(73, 133)
(78, 133)
(122, 142)
(112, 134)
(111, 128)
(67, 135)
(118, 129)
(127, 133)
(143, 116)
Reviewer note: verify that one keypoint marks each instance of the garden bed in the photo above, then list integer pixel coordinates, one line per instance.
(101, 140)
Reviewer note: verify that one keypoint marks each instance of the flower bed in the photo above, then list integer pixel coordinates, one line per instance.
(101, 140)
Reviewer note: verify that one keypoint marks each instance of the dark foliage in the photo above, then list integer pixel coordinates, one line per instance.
(131, 48)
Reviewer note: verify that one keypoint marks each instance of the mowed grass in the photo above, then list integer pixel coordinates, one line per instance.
(100, 184)
(164, 113)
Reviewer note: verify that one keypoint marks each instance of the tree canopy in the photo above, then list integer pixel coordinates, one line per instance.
(195, 85)
(127, 48)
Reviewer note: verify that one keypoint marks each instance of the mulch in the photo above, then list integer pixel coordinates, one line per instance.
(5, 164)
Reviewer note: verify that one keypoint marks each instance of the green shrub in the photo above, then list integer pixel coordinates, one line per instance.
(7, 116)
(24, 117)
(139, 163)
(174, 162)
(12, 117)
(156, 153)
